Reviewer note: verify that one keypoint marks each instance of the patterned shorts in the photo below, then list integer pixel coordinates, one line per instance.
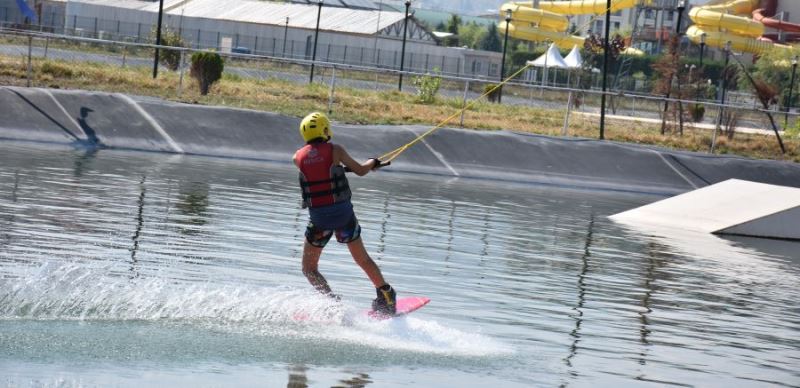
(319, 237)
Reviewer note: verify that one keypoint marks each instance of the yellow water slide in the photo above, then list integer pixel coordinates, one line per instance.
(725, 22)
(549, 22)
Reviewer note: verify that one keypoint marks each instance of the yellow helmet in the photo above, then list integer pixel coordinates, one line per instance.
(315, 125)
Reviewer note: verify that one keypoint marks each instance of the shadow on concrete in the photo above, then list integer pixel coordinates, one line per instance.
(43, 113)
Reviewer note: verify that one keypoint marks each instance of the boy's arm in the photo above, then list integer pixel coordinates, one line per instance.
(360, 169)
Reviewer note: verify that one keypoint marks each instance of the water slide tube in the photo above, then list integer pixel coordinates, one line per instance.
(549, 23)
(765, 15)
(723, 22)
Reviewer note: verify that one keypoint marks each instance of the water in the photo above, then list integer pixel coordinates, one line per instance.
(135, 269)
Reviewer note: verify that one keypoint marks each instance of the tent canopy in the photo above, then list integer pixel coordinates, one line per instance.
(551, 58)
(574, 59)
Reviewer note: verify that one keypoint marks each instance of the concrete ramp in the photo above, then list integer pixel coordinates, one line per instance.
(736, 207)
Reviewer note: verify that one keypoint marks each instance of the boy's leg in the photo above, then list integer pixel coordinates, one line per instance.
(363, 260)
(311, 256)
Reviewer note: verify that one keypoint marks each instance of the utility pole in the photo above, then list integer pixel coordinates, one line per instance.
(158, 37)
(403, 51)
(606, 49)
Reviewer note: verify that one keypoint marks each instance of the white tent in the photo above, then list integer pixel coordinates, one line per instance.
(574, 59)
(551, 58)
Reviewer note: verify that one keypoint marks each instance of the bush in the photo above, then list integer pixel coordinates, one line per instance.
(698, 111)
(206, 68)
(493, 95)
(169, 58)
(427, 87)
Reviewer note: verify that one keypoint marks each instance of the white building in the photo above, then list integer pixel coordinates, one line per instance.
(354, 36)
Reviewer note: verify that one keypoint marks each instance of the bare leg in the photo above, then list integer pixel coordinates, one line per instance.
(310, 268)
(363, 260)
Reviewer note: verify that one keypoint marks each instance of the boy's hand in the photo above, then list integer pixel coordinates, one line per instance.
(378, 164)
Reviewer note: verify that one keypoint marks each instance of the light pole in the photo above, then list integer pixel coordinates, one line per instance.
(158, 37)
(316, 37)
(403, 50)
(702, 47)
(503, 62)
(285, 33)
(606, 49)
(681, 8)
(791, 89)
(691, 80)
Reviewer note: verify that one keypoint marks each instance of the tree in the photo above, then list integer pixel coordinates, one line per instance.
(206, 68)
(452, 27)
(471, 34)
(491, 40)
(169, 37)
(774, 68)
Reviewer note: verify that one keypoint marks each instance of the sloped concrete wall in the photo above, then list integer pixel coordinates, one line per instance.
(126, 122)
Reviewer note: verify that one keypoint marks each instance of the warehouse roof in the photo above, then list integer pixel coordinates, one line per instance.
(358, 21)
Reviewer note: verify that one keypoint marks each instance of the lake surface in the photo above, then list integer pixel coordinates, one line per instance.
(137, 269)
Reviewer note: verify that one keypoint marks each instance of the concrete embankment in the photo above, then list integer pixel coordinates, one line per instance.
(121, 121)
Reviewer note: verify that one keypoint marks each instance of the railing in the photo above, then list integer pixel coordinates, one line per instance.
(625, 106)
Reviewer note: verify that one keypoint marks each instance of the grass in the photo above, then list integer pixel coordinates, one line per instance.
(360, 106)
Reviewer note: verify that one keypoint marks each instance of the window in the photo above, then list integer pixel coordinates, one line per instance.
(598, 27)
(616, 25)
(670, 16)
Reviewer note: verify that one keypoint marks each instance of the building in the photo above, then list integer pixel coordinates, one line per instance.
(356, 36)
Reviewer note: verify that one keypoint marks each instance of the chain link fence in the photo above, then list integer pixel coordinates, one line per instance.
(578, 106)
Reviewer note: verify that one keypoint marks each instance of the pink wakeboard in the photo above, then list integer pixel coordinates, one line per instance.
(405, 306)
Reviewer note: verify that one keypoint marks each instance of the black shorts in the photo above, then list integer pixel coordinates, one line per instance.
(319, 237)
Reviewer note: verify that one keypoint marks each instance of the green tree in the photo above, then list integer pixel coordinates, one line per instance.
(452, 27)
(471, 34)
(491, 40)
(774, 68)
(206, 68)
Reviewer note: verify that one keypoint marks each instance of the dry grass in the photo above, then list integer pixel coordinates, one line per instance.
(371, 107)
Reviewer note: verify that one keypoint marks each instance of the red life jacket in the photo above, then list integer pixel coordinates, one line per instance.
(321, 182)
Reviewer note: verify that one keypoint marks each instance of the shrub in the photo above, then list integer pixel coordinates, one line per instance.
(206, 68)
(493, 95)
(427, 87)
(169, 58)
(698, 111)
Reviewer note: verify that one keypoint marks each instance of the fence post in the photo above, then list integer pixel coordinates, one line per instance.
(180, 77)
(46, 45)
(124, 54)
(333, 90)
(30, 65)
(464, 102)
(566, 116)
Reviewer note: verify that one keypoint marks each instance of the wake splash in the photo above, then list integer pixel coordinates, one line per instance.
(85, 293)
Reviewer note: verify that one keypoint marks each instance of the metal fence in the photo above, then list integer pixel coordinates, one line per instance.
(273, 46)
(579, 106)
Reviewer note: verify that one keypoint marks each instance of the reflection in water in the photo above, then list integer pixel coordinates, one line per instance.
(193, 203)
(139, 224)
(578, 315)
(382, 237)
(83, 161)
(11, 216)
(360, 380)
(297, 376)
